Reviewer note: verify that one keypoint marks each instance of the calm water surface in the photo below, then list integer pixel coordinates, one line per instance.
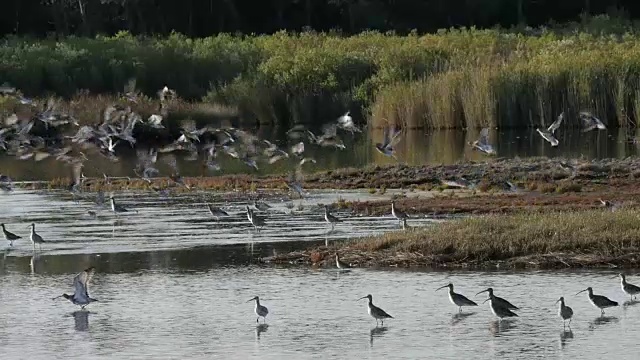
(417, 147)
(178, 310)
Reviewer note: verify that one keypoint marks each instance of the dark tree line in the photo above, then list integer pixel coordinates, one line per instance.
(198, 18)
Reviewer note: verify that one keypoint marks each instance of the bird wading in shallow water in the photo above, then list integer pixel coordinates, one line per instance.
(375, 311)
(9, 236)
(629, 289)
(457, 299)
(565, 312)
(260, 310)
(599, 301)
(498, 300)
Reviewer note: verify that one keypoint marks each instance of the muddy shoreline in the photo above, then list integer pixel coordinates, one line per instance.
(538, 184)
(322, 257)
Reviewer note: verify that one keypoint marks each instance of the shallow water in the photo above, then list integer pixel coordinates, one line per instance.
(173, 283)
(186, 304)
(416, 147)
(178, 221)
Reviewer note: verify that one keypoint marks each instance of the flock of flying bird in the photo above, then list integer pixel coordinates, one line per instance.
(587, 120)
(40, 135)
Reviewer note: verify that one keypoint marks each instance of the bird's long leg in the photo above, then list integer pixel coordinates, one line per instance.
(602, 312)
(382, 320)
(459, 309)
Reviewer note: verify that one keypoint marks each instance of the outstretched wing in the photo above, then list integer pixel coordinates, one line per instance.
(81, 282)
(556, 124)
(484, 136)
(395, 137)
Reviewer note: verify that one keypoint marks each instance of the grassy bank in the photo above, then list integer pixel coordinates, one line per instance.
(592, 238)
(455, 78)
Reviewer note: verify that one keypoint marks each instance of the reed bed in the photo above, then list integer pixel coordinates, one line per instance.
(452, 79)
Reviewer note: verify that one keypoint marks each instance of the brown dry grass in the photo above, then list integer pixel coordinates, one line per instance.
(589, 238)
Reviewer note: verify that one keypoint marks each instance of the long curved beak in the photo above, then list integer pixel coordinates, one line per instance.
(251, 299)
(482, 292)
(442, 287)
(59, 296)
(581, 291)
(486, 300)
(557, 301)
(364, 297)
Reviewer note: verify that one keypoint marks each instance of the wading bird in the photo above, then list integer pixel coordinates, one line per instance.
(80, 283)
(375, 311)
(9, 236)
(260, 310)
(599, 301)
(564, 311)
(498, 310)
(117, 209)
(330, 218)
(216, 212)
(630, 289)
(457, 299)
(341, 264)
(400, 215)
(35, 238)
(498, 300)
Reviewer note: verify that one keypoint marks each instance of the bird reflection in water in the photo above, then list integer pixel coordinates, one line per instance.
(564, 336)
(602, 320)
(376, 332)
(456, 318)
(630, 303)
(81, 319)
(260, 329)
(3, 257)
(34, 263)
(500, 326)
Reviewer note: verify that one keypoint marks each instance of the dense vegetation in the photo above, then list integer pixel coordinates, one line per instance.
(453, 78)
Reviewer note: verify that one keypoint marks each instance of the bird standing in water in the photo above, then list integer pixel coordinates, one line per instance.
(375, 311)
(260, 310)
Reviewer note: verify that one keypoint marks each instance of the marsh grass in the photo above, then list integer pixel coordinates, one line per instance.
(452, 79)
(599, 233)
